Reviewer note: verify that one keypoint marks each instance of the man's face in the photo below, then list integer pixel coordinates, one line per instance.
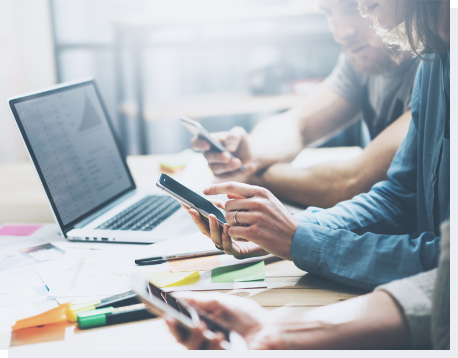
(357, 37)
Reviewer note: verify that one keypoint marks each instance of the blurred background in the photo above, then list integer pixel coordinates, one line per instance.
(222, 62)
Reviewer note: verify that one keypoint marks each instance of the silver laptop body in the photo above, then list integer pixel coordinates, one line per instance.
(79, 160)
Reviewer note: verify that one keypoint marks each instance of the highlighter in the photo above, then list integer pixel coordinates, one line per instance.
(111, 315)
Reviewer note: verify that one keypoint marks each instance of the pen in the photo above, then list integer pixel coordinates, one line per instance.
(161, 259)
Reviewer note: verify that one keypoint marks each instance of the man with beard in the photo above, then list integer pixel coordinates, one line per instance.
(369, 79)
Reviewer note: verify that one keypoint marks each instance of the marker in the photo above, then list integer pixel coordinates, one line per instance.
(121, 300)
(161, 259)
(110, 315)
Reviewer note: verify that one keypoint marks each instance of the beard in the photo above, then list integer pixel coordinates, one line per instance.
(382, 61)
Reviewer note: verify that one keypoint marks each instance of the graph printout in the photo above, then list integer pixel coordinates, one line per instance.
(77, 154)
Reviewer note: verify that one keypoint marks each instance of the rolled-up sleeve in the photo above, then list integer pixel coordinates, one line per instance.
(414, 297)
(373, 238)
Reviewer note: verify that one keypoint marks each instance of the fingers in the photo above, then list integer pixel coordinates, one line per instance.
(226, 241)
(225, 168)
(200, 145)
(215, 231)
(200, 222)
(242, 189)
(180, 333)
(218, 157)
(233, 138)
(243, 204)
(246, 233)
(238, 175)
(234, 218)
(185, 207)
(219, 204)
(233, 196)
(216, 343)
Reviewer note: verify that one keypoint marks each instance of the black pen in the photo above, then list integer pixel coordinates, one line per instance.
(161, 259)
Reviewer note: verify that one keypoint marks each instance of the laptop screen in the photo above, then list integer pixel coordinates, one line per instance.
(72, 144)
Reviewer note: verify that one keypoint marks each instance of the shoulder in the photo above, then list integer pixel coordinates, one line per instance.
(345, 64)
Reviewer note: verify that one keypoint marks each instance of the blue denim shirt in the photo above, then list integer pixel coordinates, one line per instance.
(392, 231)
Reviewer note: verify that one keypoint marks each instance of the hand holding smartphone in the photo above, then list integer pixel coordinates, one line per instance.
(160, 303)
(189, 198)
(197, 129)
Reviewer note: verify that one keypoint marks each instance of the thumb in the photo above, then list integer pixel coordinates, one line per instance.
(250, 168)
(233, 139)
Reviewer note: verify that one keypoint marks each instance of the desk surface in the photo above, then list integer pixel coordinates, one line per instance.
(22, 200)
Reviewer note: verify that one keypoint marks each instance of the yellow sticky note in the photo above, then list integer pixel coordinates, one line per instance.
(171, 279)
(52, 316)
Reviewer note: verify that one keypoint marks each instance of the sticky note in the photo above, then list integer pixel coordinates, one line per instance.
(195, 264)
(18, 230)
(54, 315)
(239, 273)
(171, 279)
(175, 162)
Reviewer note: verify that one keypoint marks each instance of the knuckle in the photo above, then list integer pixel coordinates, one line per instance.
(263, 192)
(230, 185)
(252, 230)
(228, 217)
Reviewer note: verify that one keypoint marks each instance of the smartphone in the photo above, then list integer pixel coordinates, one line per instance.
(197, 129)
(188, 317)
(189, 198)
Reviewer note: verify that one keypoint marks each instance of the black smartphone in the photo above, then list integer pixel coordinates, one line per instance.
(197, 129)
(189, 198)
(160, 302)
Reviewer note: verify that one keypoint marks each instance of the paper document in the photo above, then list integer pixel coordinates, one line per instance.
(92, 273)
(239, 273)
(172, 279)
(19, 251)
(21, 285)
(186, 244)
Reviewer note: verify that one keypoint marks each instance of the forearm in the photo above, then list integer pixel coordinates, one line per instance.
(322, 185)
(280, 138)
(276, 139)
(373, 321)
(327, 184)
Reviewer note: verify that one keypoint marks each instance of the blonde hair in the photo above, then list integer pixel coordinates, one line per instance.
(419, 32)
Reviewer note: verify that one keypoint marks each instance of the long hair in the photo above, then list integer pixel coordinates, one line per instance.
(419, 32)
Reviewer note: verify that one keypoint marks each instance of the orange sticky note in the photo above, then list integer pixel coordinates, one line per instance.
(195, 264)
(52, 316)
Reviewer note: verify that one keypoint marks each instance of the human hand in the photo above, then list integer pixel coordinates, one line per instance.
(241, 315)
(261, 217)
(221, 238)
(225, 167)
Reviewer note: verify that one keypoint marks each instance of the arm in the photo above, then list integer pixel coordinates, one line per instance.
(327, 184)
(319, 115)
(282, 137)
(367, 322)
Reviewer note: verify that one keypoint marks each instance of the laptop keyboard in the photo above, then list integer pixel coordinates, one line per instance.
(144, 215)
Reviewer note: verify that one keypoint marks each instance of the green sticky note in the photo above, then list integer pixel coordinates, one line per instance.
(239, 273)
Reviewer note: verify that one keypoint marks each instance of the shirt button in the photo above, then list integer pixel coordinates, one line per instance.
(432, 177)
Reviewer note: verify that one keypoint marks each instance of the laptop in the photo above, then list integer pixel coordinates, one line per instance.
(80, 162)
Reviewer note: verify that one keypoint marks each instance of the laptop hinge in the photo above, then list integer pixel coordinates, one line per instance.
(102, 211)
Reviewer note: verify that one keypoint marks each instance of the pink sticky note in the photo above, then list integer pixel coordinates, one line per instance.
(18, 230)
